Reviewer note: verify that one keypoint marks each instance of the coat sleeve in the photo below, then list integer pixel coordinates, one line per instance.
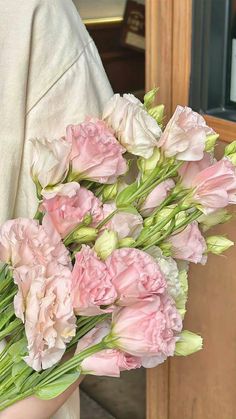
(66, 83)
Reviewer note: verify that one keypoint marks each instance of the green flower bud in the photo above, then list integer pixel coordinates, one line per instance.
(230, 152)
(150, 97)
(109, 192)
(157, 112)
(146, 166)
(126, 242)
(218, 244)
(188, 343)
(166, 248)
(81, 235)
(106, 243)
(211, 142)
(87, 220)
(218, 217)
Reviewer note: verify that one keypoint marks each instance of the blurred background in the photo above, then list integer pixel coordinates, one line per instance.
(188, 49)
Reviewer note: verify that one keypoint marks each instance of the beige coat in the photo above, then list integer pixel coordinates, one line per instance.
(50, 76)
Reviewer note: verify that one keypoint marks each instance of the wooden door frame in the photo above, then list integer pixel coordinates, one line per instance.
(168, 66)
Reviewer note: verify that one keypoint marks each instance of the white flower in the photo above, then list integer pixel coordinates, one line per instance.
(176, 278)
(136, 130)
(50, 161)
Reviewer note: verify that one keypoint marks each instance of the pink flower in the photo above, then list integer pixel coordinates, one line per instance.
(44, 304)
(96, 154)
(189, 244)
(69, 205)
(185, 134)
(91, 284)
(148, 329)
(25, 242)
(135, 275)
(108, 362)
(190, 169)
(215, 186)
(156, 197)
(125, 224)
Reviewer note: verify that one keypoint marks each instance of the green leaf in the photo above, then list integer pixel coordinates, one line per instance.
(125, 197)
(18, 349)
(20, 371)
(49, 391)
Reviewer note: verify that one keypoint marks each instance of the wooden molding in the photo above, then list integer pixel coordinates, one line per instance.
(226, 129)
(159, 49)
(168, 66)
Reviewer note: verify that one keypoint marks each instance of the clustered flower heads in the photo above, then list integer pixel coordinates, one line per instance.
(123, 208)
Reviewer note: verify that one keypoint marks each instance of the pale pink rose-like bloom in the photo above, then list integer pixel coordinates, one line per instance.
(125, 224)
(25, 242)
(136, 130)
(185, 135)
(96, 154)
(50, 161)
(215, 186)
(67, 208)
(148, 329)
(108, 362)
(190, 169)
(156, 197)
(189, 245)
(135, 275)
(44, 303)
(91, 284)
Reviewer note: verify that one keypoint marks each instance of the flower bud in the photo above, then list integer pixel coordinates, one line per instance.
(87, 220)
(106, 243)
(82, 235)
(157, 112)
(210, 142)
(218, 217)
(218, 244)
(188, 343)
(146, 166)
(149, 97)
(166, 248)
(230, 152)
(109, 192)
(126, 242)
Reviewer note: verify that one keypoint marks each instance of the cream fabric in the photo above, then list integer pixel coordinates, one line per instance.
(50, 76)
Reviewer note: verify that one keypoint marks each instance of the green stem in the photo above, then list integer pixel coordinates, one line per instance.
(107, 219)
(5, 302)
(15, 399)
(10, 328)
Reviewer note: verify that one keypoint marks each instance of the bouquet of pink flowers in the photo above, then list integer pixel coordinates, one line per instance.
(102, 269)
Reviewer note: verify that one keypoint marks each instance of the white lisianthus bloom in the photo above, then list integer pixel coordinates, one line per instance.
(50, 161)
(136, 130)
(176, 278)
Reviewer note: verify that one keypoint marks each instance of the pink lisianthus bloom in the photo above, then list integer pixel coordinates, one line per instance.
(96, 154)
(108, 362)
(156, 197)
(44, 303)
(135, 275)
(148, 329)
(189, 170)
(189, 245)
(67, 206)
(125, 224)
(185, 135)
(215, 186)
(25, 242)
(91, 284)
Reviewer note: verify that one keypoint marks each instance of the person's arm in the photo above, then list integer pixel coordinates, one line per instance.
(34, 408)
